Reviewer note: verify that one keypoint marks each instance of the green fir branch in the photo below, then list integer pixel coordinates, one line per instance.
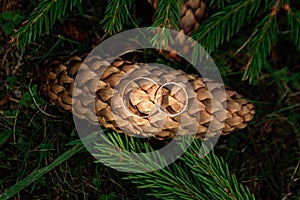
(190, 177)
(116, 15)
(167, 16)
(219, 182)
(173, 182)
(260, 46)
(193, 177)
(41, 20)
(221, 26)
(294, 26)
(111, 151)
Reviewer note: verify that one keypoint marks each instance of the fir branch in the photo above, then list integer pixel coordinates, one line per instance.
(113, 148)
(221, 26)
(174, 182)
(41, 20)
(261, 43)
(190, 177)
(219, 183)
(293, 24)
(116, 15)
(167, 15)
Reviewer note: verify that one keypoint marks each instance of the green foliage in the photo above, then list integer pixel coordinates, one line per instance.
(4, 135)
(221, 26)
(167, 15)
(41, 20)
(31, 98)
(219, 29)
(110, 155)
(219, 182)
(10, 115)
(9, 21)
(11, 81)
(116, 16)
(192, 177)
(294, 27)
(110, 196)
(284, 77)
(260, 46)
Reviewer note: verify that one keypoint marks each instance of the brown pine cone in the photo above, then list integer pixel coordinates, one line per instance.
(193, 12)
(136, 114)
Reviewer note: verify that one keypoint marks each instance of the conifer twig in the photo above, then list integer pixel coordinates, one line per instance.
(221, 26)
(261, 43)
(116, 16)
(41, 20)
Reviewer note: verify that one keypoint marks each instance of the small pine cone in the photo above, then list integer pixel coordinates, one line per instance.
(135, 115)
(193, 12)
(58, 81)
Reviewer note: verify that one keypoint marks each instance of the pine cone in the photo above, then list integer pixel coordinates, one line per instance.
(141, 97)
(192, 14)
